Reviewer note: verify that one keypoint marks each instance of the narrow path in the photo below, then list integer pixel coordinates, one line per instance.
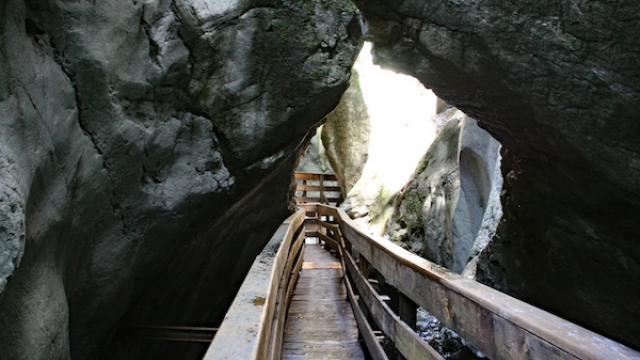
(320, 323)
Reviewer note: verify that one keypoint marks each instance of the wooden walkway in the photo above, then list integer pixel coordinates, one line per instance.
(293, 305)
(320, 323)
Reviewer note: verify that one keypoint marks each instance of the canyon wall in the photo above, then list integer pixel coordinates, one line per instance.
(345, 136)
(146, 156)
(557, 83)
(449, 209)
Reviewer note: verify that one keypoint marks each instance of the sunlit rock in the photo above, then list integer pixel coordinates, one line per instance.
(441, 210)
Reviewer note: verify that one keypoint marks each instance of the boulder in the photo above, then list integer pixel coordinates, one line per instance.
(146, 156)
(453, 194)
(345, 136)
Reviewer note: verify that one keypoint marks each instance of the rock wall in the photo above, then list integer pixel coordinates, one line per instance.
(345, 136)
(146, 155)
(341, 144)
(556, 83)
(395, 113)
(441, 210)
(315, 159)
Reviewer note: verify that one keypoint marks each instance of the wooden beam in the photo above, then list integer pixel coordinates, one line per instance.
(317, 199)
(325, 189)
(249, 321)
(169, 333)
(407, 341)
(329, 241)
(368, 335)
(314, 176)
(326, 225)
(287, 282)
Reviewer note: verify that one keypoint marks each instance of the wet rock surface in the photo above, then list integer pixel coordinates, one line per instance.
(556, 83)
(146, 155)
(446, 342)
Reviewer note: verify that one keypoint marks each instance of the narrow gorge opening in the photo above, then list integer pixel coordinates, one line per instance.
(414, 170)
(410, 165)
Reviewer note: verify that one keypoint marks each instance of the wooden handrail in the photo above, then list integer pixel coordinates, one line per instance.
(319, 191)
(253, 324)
(500, 326)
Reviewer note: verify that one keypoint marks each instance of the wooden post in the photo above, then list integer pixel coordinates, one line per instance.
(363, 264)
(322, 199)
(347, 245)
(407, 311)
(318, 217)
(304, 186)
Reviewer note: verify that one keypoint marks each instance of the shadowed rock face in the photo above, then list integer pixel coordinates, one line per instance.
(146, 153)
(557, 83)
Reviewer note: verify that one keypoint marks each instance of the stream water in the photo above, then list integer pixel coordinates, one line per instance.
(446, 342)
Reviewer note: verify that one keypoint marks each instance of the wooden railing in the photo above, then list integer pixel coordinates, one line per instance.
(498, 325)
(318, 188)
(253, 325)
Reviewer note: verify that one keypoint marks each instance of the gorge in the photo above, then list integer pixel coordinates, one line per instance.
(147, 151)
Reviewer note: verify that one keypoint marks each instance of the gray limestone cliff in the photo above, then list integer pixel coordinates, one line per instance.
(345, 136)
(146, 156)
(557, 83)
(449, 210)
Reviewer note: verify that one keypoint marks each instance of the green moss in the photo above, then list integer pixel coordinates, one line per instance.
(258, 301)
(378, 209)
(343, 5)
(320, 73)
(423, 164)
(412, 204)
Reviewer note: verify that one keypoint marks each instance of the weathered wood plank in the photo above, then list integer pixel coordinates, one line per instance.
(314, 176)
(474, 310)
(316, 335)
(276, 286)
(332, 227)
(319, 317)
(316, 199)
(319, 265)
(322, 351)
(329, 241)
(301, 187)
(330, 307)
(315, 253)
(321, 274)
(319, 320)
(407, 341)
(283, 296)
(248, 322)
(295, 275)
(310, 209)
(370, 339)
(320, 295)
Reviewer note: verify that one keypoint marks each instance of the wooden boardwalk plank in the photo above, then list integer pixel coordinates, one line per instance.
(320, 322)
(321, 351)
